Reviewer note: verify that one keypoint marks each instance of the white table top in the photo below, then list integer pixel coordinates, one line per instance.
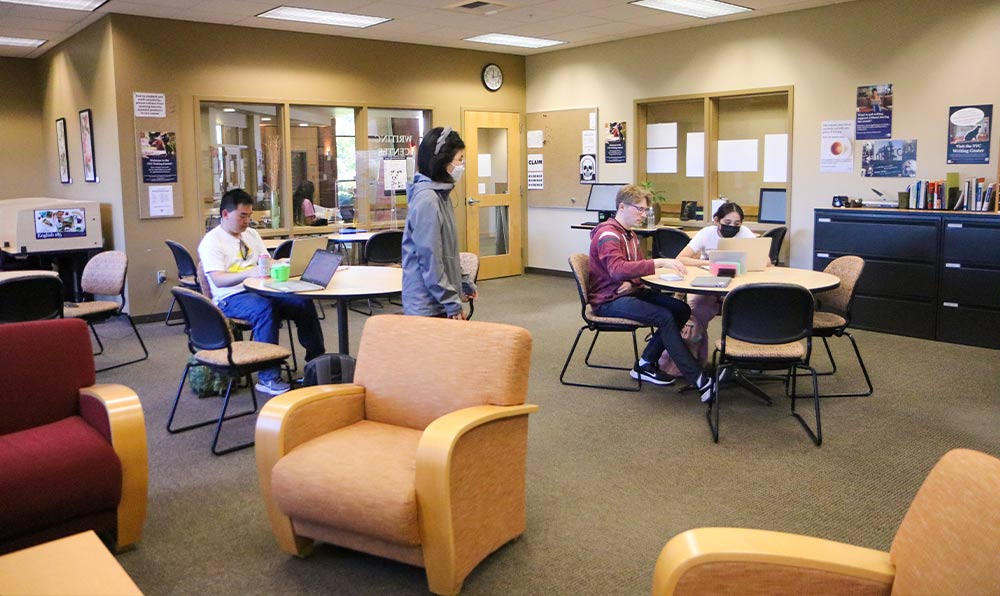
(354, 237)
(814, 281)
(353, 281)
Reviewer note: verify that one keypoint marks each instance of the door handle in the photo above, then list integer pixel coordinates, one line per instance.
(471, 201)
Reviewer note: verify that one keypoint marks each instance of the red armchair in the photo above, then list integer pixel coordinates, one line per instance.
(72, 454)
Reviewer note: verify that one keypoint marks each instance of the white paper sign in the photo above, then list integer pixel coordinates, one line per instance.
(482, 188)
(695, 156)
(661, 161)
(661, 135)
(535, 139)
(395, 174)
(588, 144)
(738, 155)
(776, 158)
(149, 105)
(161, 201)
(536, 169)
(835, 146)
(485, 165)
(593, 120)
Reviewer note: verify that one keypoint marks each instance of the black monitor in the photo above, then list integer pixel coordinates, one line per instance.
(602, 197)
(772, 206)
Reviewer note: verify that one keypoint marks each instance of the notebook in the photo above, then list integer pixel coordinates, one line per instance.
(317, 275)
(758, 251)
(709, 281)
(302, 252)
(728, 256)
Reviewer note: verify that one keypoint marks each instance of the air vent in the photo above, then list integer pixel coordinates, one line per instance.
(478, 7)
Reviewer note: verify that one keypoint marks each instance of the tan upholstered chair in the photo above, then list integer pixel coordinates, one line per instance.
(833, 316)
(946, 544)
(421, 460)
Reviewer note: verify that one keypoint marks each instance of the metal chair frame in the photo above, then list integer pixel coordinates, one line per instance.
(185, 268)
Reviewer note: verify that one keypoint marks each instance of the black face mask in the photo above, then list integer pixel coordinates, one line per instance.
(728, 231)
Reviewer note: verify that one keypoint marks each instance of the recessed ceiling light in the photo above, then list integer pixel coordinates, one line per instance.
(703, 9)
(265, 119)
(228, 109)
(322, 17)
(303, 124)
(90, 5)
(514, 40)
(21, 42)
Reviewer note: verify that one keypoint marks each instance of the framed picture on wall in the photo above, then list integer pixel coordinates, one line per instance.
(87, 144)
(63, 150)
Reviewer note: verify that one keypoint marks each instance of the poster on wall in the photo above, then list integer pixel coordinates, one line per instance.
(63, 149)
(614, 142)
(836, 146)
(874, 115)
(969, 134)
(87, 144)
(395, 176)
(536, 171)
(588, 168)
(889, 159)
(159, 156)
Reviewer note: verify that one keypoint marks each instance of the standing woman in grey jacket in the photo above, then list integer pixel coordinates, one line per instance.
(432, 275)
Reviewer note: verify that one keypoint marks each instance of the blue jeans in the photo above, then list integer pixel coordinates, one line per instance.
(266, 313)
(668, 315)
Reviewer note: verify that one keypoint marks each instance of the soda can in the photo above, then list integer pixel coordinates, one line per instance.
(264, 265)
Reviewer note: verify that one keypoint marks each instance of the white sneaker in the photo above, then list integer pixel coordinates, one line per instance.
(705, 383)
(272, 387)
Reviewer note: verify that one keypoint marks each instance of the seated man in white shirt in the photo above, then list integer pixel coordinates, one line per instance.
(229, 254)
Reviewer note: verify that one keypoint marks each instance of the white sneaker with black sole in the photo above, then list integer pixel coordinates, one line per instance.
(705, 383)
(650, 373)
(272, 386)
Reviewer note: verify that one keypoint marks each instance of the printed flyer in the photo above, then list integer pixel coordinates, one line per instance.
(969, 134)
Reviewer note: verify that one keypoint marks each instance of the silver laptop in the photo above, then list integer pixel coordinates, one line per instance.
(758, 251)
(317, 275)
(710, 281)
(302, 252)
(729, 256)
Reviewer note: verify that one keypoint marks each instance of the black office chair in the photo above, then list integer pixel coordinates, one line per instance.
(187, 275)
(284, 250)
(31, 298)
(580, 265)
(777, 236)
(211, 340)
(669, 242)
(763, 326)
(384, 248)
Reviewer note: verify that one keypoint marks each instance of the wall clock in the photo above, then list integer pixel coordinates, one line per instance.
(492, 77)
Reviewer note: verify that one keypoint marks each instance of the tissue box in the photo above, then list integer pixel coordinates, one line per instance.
(725, 269)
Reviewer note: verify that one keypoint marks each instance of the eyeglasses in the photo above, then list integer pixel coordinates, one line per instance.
(244, 249)
(638, 209)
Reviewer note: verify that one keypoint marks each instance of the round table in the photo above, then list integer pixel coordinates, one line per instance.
(814, 281)
(347, 283)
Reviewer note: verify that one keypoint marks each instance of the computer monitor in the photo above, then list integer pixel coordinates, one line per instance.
(602, 197)
(772, 206)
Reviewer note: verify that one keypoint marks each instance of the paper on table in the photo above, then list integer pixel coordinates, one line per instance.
(738, 155)
(695, 154)
(776, 158)
(661, 161)
(661, 135)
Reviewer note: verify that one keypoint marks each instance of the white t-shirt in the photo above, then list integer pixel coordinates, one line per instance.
(221, 251)
(707, 239)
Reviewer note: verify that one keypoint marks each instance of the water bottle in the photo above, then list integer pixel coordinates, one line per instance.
(264, 265)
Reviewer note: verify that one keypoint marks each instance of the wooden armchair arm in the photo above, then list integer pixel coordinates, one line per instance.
(287, 421)
(435, 489)
(744, 561)
(115, 411)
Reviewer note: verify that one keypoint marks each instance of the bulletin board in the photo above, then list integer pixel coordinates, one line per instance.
(561, 148)
(156, 125)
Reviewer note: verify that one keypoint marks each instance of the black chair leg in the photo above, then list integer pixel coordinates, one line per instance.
(213, 420)
(142, 344)
(861, 362)
(170, 311)
(569, 358)
(291, 344)
(817, 435)
(712, 414)
(100, 345)
(222, 417)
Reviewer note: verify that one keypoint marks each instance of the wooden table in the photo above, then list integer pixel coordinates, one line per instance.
(349, 282)
(78, 564)
(814, 281)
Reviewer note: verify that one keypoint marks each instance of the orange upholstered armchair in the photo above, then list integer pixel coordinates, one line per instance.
(946, 544)
(420, 460)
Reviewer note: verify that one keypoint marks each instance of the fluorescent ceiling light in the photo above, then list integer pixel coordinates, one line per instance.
(265, 119)
(303, 124)
(90, 5)
(703, 9)
(21, 42)
(228, 109)
(322, 17)
(514, 40)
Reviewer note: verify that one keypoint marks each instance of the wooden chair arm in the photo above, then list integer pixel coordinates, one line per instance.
(290, 419)
(695, 562)
(117, 410)
(433, 484)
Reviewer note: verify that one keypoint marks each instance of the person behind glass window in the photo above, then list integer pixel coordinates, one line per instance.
(303, 211)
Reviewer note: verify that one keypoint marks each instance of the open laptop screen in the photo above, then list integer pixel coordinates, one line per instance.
(321, 267)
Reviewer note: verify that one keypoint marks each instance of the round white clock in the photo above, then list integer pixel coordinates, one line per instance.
(492, 77)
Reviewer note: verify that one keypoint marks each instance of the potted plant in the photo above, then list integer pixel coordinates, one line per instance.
(655, 200)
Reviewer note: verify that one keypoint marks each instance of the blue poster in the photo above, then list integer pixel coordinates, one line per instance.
(889, 159)
(159, 157)
(874, 116)
(614, 143)
(969, 134)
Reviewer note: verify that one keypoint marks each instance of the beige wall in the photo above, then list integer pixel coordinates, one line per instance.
(22, 164)
(935, 53)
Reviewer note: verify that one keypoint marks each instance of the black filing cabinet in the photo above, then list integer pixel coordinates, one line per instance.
(969, 306)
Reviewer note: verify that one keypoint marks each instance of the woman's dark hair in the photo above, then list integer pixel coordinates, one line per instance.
(727, 208)
(433, 156)
(306, 190)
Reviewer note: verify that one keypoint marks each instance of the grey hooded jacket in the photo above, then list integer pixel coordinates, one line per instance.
(432, 274)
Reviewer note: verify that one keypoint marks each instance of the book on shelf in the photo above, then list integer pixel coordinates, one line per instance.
(952, 195)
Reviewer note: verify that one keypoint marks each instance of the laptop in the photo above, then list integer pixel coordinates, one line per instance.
(302, 252)
(317, 275)
(728, 256)
(758, 250)
(710, 281)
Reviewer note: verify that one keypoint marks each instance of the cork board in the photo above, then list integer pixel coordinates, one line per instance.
(561, 148)
(156, 124)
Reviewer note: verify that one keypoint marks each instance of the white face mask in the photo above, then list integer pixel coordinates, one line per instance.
(456, 174)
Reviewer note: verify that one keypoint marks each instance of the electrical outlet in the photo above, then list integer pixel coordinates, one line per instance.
(161, 276)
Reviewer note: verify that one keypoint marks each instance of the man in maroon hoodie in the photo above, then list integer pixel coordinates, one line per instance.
(616, 290)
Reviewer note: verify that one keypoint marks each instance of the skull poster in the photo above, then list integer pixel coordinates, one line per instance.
(588, 169)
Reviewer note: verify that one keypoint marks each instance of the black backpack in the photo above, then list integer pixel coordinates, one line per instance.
(329, 369)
